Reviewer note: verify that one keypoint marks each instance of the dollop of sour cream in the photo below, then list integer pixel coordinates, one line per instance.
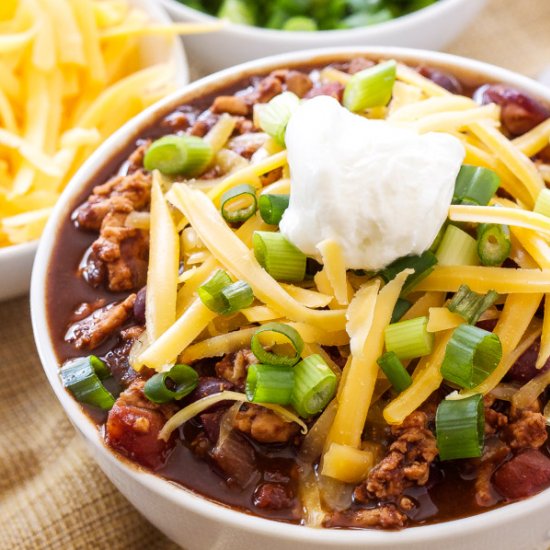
(381, 191)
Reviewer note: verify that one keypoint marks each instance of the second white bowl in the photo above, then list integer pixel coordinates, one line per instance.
(430, 28)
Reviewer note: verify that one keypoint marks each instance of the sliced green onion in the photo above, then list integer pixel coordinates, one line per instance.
(272, 207)
(542, 204)
(279, 257)
(395, 371)
(475, 185)
(237, 195)
(423, 265)
(470, 305)
(236, 11)
(185, 155)
(401, 307)
(238, 295)
(371, 87)
(408, 339)
(314, 386)
(82, 377)
(269, 384)
(300, 23)
(493, 243)
(211, 291)
(273, 116)
(457, 248)
(472, 354)
(222, 296)
(176, 383)
(269, 358)
(460, 426)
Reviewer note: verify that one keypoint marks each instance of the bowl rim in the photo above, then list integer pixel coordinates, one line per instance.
(307, 38)
(182, 76)
(178, 495)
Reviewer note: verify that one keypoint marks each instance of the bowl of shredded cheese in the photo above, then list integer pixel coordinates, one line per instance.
(72, 72)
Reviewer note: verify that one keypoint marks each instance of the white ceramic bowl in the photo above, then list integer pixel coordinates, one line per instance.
(16, 261)
(197, 523)
(431, 28)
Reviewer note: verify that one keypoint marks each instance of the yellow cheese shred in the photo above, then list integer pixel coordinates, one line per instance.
(346, 463)
(234, 255)
(426, 379)
(248, 175)
(505, 216)
(440, 318)
(335, 268)
(162, 274)
(455, 120)
(482, 279)
(422, 305)
(514, 159)
(358, 386)
(430, 106)
(180, 335)
(535, 140)
(239, 339)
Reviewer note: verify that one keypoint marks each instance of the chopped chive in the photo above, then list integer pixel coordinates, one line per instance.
(222, 296)
(475, 185)
(268, 358)
(314, 386)
(273, 116)
(457, 248)
(422, 265)
(371, 87)
(279, 257)
(395, 371)
(182, 378)
(409, 339)
(470, 305)
(269, 384)
(493, 243)
(460, 426)
(472, 354)
(401, 307)
(542, 204)
(185, 155)
(82, 377)
(272, 207)
(237, 195)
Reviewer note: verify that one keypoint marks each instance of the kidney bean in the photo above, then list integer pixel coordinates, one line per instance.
(520, 112)
(526, 474)
(139, 306)
(524, 368)
(441, 78)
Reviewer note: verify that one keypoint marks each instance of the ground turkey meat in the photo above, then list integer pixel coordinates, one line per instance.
(94, 329)
(121, 252)
(133, 426)
(234, 366)
(527, 430)
(264, 425)
(119, 194)
(407, 462)
(386, 516)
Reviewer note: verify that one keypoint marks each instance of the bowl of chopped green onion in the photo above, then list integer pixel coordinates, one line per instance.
(256, 28)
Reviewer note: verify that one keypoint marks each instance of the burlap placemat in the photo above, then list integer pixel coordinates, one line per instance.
(52, 496)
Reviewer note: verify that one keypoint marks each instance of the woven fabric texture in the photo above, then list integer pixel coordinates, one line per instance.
(52, 495)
